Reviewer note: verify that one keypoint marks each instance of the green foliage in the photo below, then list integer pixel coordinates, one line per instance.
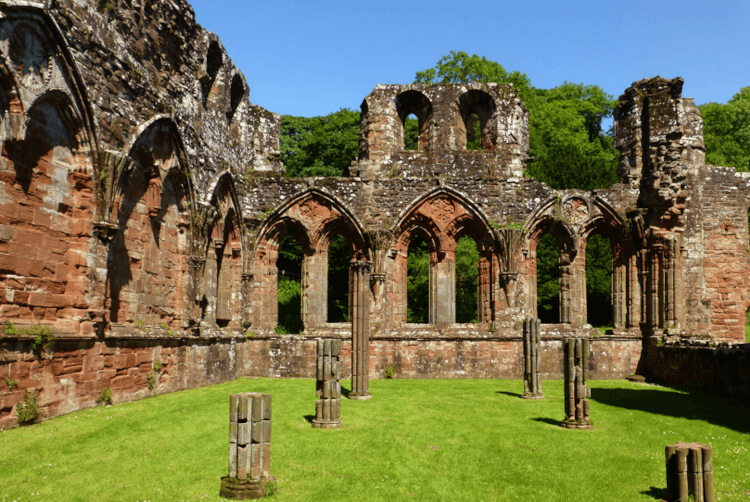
(43, 335)
(338, 279)
(105, 396)
(165, 326)
(320, 146)
(411, 133)
(418, 281)
(28, 409)
(157, 365)
(271, 488)
(290, 304)
(389, 371)
(467, 271)
(598, 280)
(548, 280)
(726, 131)
(151, 381)
(12, 384)
(140, 323)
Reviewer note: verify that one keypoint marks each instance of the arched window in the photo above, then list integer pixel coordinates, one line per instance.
(414, 103)
(338, 279)
(411, 133)
(548, 280)
(418, 281)
(478, 111)
(467, 272)
(289, 292)
(599, 282)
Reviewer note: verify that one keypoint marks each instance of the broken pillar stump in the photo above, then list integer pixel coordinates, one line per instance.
(690, 472)
(328, 386)
(249, 446)
(576, 352)
(532, 379)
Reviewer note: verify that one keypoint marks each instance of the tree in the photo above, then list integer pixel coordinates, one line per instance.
(726, 131)
(320, 146)
(565, 123)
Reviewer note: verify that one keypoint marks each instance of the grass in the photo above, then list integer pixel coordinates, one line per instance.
(427, 440)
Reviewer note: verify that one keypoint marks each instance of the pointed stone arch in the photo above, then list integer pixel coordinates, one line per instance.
(152, 206)
(442, 216)
(313, 217)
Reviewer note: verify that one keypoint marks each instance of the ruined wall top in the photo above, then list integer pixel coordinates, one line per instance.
(444, 112)
(660, 137)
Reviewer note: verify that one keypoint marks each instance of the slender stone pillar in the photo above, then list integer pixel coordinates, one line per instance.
(690, 472)
(328, 388)
(249, 446)
(360, 329)
(532, 379)
(576, 390)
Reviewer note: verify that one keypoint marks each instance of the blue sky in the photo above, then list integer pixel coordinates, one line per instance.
(312, 58)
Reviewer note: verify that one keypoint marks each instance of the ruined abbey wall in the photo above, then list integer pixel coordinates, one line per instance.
(142, 204)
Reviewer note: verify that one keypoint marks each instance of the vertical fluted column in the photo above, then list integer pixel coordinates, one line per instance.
(690, 472)
(328, 387)
(532, 379)
(576, 390)
(249, 446)
(360, 329)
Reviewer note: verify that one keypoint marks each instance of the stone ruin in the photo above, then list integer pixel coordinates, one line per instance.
(577, 393)
(249, 446)
(142, 205)
(532, 374)
(328, 387)
(690, 473)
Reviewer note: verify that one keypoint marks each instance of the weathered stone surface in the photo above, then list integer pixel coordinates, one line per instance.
(142, 208)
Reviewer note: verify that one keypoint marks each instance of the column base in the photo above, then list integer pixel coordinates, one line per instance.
(578, 425)
(244, 489)
(326, 424)
(359, 397)
(533, 395)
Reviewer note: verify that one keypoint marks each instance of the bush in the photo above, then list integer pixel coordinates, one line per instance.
(28, 409)
(105, 396)
(389, 371)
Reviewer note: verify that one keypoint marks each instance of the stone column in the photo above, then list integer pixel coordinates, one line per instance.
(565, 293)
(690, 472)
(249, 446)
(532, 379)
(360, 329)
(328, 388)
(576, 391)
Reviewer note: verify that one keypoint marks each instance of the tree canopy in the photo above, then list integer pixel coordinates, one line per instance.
(320, 146)
(726, 131)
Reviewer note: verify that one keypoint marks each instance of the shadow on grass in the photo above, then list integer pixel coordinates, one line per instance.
(693, 405)
(556, 423)
(511, 394)
(309, 418)
(345, 392)
(657, 493)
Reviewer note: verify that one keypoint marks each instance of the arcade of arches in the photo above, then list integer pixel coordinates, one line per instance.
(145, 218)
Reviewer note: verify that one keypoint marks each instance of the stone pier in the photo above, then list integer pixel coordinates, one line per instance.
(249, 446)
(576, 391)
(360, 329)
(532, 378)
(328, 387)
(690, 472)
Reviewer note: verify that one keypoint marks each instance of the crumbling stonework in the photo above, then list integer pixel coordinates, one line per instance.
(142, 206)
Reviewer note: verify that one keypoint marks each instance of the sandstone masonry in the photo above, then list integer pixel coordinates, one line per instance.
(142, 206)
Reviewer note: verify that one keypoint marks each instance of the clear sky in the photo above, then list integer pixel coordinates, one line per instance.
(309, 58)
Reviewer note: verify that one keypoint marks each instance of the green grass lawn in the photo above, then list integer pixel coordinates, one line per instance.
(427, 440)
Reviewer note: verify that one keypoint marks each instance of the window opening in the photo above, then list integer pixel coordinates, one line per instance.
(289, 265)
(338, 279)
(467, 271)
(418, 281)
(548, 280)
(473, 132)
(599, 282)
(411, 132)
